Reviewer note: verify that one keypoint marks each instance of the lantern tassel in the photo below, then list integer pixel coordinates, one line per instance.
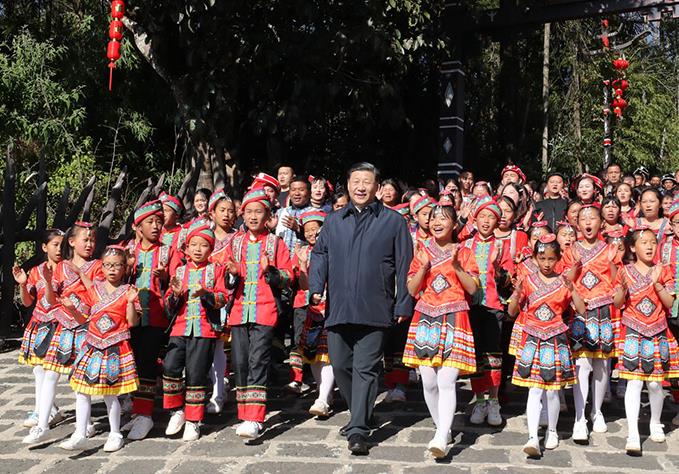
(111, 65)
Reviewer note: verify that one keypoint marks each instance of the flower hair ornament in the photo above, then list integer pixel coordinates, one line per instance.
(543, 242)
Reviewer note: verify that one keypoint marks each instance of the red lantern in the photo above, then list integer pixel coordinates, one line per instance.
(118, 9)
(618, 112)
(620, 64)
(113, 51)
(620, 103)
(115, 30)
(618, 92)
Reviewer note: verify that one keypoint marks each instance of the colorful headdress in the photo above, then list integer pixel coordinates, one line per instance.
(539, 224)
(488, 203)
(543, 241)
(567, 225)
(403, 209)
(263, 179)
(215, 198)
(421, 203)
(115, 250)
(83, 224)
(516, 170)
(597, 182)
(255, 195)
(174, 203)
(147, 209)
(674, 207)
(201, 229)
(641, 171)
(668, 177)
(313, 215)
(328, 184)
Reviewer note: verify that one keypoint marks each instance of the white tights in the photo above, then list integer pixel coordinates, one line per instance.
(440, 396)
(39, 374)
(325, 379)
(601, 371)
(534, 406)
(83, 408)
(45, 394)
(217, 372)
(656, 397)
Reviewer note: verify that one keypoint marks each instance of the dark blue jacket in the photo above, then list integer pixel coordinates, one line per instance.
(364, 259)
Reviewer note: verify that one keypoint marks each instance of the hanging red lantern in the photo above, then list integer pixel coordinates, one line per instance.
(115, 34)
(620, 103)
(115, 30)
(619, 92)
(620, 64)
(618, 112)
(118, 9)
(621, 84)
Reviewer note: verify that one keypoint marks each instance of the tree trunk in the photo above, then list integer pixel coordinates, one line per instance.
(545, 99)
(577, 125)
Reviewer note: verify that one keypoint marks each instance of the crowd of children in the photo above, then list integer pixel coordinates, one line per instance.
(520, 286)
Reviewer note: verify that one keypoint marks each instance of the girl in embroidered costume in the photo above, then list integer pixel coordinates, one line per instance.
(544, 363)
(32, 290)
(61, 339)
(259, 268)
(313, 340)
(105, 366)
(440, 340)
(592, 265)
(648, 352)
(196, 295)
(172, 212)
(668, 255)
(223, 215)
(651, 214)
(572, 217)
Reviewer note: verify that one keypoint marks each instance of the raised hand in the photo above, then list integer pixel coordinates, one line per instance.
(176, 286)
(47, 274)
(612, 253)
(655, 274)
(67, 303)
(19, 275)
(263, 263)
(423, 258)
(199, 292)
(567, 283)
(132, 294)
(160, 272)
(231, 267)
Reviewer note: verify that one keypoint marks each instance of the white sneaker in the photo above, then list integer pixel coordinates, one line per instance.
(90, 432)
(36, 435)
(319, 408)
(176, 423)
(532, 447)
(657, 433)
(633, 445)
(214, 407)
(479, 413)
(140, 428)
(599, 423)
(620, 388)
(74, 443)
(395, 395)
(31, 420)
(249, 429)
(494, 417)
(551, 440)
(55, 416)
(191, 431)
(580, 432)
(114, 442)
(437, 449)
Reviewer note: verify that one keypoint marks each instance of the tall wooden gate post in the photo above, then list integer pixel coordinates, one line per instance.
(7, 313)
(451, 119)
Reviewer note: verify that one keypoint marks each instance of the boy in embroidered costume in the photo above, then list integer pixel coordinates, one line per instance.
(196, 295)
(543, 361)
(259, 262)
(106, 366)
(486, 312)
(172, 212)
(647, 350)
(62, 337)
(669, 256)
(440, 340)
(223, 214)
(32, 290)
(591, 265)
(153, 262)
(312, 342)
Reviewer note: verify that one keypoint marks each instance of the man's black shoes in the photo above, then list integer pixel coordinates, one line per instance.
(358, 445)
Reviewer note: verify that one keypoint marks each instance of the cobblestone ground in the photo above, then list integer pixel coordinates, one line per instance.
(296, 443)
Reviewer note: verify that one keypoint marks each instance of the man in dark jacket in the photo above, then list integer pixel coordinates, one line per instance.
(553, 206)
(362, 254)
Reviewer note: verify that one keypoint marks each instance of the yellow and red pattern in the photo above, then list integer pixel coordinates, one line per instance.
(35, 286)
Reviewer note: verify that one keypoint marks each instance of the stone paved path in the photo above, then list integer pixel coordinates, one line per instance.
(296, 443)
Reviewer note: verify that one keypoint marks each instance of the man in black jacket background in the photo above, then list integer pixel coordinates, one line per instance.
(362, 254)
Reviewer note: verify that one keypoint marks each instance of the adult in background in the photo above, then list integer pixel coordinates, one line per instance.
(613, 178)
(553, 205)
(284, 173)
(362, 254)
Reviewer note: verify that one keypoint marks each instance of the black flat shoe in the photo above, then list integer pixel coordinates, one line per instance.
(358, 445)
(343, 430)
